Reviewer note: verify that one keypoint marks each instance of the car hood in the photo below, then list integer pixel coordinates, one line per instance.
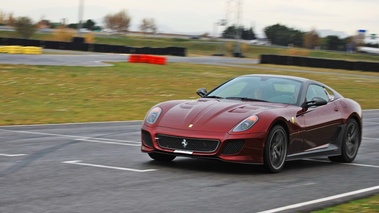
(211, 115)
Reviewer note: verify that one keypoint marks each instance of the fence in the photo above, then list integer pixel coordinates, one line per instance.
(78, 45)
(319, 63)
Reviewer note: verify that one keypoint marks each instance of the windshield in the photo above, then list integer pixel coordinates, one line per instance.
(258, 88)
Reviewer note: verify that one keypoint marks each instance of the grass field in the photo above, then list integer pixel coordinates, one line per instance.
(53, 94)
(366, 205)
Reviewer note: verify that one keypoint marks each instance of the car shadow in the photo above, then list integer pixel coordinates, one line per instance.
(221, 167)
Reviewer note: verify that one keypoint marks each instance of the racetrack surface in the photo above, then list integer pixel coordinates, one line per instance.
(71, 58)
(100, 59)
(98, 167)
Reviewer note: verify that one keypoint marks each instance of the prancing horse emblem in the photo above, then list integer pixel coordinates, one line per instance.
(184, 143)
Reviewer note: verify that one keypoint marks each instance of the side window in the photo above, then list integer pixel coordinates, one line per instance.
(316, 91)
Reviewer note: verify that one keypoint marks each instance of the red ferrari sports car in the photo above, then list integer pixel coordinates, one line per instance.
(257, 119)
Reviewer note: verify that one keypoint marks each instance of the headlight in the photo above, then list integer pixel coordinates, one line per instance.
(246, 124)
(152, 115)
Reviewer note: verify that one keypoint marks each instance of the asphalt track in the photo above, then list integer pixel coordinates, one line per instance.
(75, 58)
(99, 59)
(98, 167)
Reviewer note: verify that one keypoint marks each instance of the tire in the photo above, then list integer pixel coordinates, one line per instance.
(275, 151)
(350, 143)
(162, 157)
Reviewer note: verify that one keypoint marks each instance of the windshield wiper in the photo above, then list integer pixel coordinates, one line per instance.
(214, 96)
(246, 99)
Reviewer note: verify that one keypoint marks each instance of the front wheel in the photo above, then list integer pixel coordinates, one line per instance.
(275, 152)
(350, 143)
(162, 157)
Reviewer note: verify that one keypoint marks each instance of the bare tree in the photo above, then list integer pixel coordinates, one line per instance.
(11, 20)
(148, 25)
(118, 22)
(24, 27)
(3, 19)
(311, 39)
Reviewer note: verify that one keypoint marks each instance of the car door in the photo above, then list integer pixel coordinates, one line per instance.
(321, 122)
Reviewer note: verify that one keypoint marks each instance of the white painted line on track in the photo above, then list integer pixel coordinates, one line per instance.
(350, 164)
(79, 123)
(41, 133)
(108, 142)
(81, 138)
(294, 206)
(366, 138)
(362, 165)
(11, 155)
(78, 162)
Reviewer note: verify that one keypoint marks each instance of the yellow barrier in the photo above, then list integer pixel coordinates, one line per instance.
(14, 49)
(32, 50)
(3, 49)
(20, 50)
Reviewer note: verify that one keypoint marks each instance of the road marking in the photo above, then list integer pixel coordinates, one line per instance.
(11, 155)
(366, 138)
(363, 165)
(320, 200)
(82, 123)
(350, 164)
(108, 142)
(78, 162)
(87, 139)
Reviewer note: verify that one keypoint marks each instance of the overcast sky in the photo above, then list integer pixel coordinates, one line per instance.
(200, 16)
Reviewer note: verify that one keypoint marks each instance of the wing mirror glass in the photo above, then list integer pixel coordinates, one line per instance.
(201, 92)
(316, 101)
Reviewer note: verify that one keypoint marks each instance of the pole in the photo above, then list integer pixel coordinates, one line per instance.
(80, 16)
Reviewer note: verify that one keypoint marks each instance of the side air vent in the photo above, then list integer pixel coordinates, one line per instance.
(232, 147)
(146, 138)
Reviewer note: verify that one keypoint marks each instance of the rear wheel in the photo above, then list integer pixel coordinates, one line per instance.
(350, 143)
(275, 152)
(162, 157)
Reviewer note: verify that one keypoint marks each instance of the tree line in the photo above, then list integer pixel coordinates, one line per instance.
(282, 35)
(120, 22)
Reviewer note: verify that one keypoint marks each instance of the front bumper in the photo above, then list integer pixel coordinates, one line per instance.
(239, 148)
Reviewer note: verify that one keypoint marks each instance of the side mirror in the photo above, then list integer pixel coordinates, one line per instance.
(316, 101)
(201, 92)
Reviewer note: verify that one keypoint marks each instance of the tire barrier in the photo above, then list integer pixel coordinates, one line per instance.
(319, 62)
(151, 59)
(32, 50)
(15, 49)
(78, 44)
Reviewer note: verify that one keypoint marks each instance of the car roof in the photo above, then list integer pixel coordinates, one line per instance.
(280, 76)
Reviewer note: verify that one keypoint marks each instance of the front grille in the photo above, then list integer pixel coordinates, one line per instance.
(233, 147)
(187, 144)
(146, 138)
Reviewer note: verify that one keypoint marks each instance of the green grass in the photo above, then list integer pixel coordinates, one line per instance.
(366, 205)
(53, 94)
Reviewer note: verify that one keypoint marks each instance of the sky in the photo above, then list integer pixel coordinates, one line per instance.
(342, 17)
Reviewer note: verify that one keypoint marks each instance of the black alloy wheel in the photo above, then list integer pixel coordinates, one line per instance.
(275, 152)
(350, 143)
